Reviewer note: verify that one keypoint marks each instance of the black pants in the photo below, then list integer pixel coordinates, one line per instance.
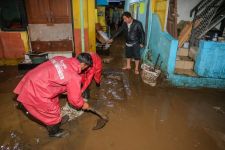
(133, 52)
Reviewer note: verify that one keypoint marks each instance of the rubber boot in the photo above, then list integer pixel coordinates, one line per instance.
(65, 119)
(55, 131)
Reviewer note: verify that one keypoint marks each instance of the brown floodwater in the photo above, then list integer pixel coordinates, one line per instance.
(140, 117)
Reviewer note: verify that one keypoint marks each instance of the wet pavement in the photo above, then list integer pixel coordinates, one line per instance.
(140, 117)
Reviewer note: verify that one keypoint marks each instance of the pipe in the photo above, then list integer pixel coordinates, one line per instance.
(72, 20)
(82, 26)
(147, 47)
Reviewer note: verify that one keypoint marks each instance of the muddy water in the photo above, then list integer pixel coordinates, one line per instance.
(141, 117)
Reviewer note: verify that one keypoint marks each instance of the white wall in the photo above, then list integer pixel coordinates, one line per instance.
(184, 7)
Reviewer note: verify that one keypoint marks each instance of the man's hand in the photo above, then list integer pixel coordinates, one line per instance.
(85, 106)
(109, 41)
(141, 45)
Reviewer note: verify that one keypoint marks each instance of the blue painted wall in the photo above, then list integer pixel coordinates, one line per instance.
(210, 60)
(141, 17)
(102, 2)
(164, 44)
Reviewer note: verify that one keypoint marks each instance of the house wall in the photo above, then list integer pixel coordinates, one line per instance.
(164, 44)
(210, 59)
(160, 7)
(44, 32)
(89, 32)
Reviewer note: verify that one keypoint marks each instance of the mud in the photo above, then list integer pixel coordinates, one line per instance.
(140, 117)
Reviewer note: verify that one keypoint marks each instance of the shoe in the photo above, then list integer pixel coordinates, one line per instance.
(55, 131)
(59, 134)
(65, 119)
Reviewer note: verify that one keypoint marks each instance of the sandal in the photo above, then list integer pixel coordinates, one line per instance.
(136, 72)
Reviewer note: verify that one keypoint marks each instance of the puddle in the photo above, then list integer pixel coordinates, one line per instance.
(13, 141)
(114, 86)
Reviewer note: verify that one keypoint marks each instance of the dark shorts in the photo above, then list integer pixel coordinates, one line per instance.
(133, 52)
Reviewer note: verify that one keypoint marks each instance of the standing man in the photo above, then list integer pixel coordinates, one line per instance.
(39, 89)
(135, 40)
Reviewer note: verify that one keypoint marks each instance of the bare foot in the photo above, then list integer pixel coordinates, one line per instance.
(136, 72)
(126, 68)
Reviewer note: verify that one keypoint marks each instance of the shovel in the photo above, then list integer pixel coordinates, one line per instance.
(101, 122)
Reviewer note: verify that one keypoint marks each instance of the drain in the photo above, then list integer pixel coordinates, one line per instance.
(114, 85)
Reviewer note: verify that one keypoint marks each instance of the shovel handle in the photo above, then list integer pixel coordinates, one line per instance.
(97, 113)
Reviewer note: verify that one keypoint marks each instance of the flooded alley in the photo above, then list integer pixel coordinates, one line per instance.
(140, 117)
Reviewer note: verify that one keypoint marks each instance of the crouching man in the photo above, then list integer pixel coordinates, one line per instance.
(39, 89)
(94, 72)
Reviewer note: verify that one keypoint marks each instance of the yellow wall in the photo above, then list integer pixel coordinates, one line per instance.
(91, 25)
(89, 21)
(101, 15)
(160, 7)
(24, 37)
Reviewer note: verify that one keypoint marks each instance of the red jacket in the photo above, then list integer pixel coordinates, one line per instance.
(94, 72)
(41, 86)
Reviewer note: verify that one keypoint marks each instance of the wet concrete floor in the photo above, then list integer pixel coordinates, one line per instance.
(141, 117)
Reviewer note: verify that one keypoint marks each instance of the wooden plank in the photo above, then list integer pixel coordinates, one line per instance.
(185, 34)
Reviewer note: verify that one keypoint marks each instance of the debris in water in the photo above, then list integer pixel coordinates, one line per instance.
(219, 109)
(114, 77)
(13, 135)
(71, 112)
(37, 140)
(110, 104)
(1, 71)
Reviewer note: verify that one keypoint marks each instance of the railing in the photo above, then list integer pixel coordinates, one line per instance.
(206, 16)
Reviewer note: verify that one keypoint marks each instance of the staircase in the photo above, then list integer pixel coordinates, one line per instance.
(207, 14)
(184, 63)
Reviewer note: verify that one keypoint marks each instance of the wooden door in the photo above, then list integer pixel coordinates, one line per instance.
(172, 18)
(60, 11)
(38, 11)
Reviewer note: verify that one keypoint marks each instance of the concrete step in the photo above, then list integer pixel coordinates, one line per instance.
(182, 52)
(187, 72)
(184, 62)
(193, 52)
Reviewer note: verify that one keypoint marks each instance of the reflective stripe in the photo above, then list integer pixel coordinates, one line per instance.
(58, 68)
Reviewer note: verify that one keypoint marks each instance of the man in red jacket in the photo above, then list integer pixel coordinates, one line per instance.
(93, 72)
(39, 89)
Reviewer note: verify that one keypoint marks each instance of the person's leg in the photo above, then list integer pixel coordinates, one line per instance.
(137, 57)
(137, 66)
(128, 66)
(51, 120)
(128, 54)
(56, 131)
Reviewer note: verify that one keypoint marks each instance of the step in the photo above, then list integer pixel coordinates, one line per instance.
(183, 62)
(182, 52)
(193, 52)
(187, 72)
